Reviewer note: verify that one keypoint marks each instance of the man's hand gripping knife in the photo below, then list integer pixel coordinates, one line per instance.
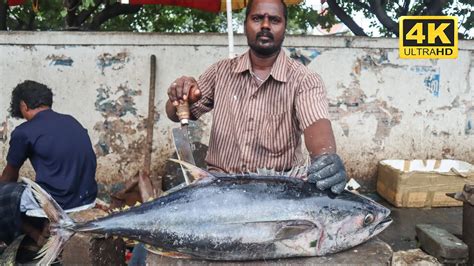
(327, 171)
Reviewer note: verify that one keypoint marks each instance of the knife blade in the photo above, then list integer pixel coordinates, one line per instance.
(181, 138)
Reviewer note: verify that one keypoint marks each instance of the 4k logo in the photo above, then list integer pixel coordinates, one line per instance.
(428, 37)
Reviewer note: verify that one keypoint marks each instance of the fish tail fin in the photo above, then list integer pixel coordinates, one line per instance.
(60, 224)
(196, 172)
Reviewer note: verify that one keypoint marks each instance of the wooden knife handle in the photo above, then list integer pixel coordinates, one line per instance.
(183, 112)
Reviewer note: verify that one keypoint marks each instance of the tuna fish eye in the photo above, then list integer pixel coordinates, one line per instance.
(369, 218)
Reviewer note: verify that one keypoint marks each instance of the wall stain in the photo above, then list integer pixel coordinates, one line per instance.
(431, 80)
(116, 103)
(29, 47)
(469, 128)
(4, 131)
(122, 133)
(354, 101)
(305, 55)
(115, 62)
(59, 60)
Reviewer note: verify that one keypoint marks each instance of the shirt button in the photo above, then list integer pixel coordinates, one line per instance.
(253, 97)
(247, 144)
(250, 119)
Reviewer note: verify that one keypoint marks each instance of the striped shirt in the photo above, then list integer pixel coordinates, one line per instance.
(259, 125)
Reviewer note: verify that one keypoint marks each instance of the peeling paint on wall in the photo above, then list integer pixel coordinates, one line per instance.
(469, 130)
(116, 103)
(59, 60)
(4, 132)
(304, 55)
(432, 78)
(121, 134)
(115, 62)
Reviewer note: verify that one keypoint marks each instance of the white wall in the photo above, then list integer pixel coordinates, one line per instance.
(381, 106)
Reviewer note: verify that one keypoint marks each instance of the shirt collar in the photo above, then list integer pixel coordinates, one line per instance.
(278, 71)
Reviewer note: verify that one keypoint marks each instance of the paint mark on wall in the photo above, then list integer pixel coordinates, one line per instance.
(431, 80)
(469, 129)
(304, 56)
(59, 60)
(354, 100)
(4, 132)
(116, 102)
(115, 62)
(121, 133)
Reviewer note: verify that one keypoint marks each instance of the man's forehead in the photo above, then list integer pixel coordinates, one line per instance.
(267, 7)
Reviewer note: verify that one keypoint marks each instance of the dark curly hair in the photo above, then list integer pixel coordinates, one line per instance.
(285, 10)
(34, 95)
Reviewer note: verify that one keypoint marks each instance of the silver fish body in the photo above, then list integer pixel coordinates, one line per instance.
(248, 217)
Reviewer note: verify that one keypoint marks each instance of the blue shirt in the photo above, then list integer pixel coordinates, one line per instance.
(61, 153)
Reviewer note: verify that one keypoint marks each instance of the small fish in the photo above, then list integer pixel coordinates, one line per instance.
(232, 217)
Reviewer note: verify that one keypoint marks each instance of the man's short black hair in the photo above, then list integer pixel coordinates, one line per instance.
(285, 10)
(34, 95)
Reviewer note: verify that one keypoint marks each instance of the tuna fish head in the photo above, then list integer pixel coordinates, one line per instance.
(351, 220)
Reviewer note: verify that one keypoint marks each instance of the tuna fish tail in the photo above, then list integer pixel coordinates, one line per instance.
(61, 226)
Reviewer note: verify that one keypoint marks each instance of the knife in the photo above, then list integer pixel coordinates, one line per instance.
(181, 138)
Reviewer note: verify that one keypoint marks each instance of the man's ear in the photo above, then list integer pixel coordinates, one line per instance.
(23, 106)
(24, 109)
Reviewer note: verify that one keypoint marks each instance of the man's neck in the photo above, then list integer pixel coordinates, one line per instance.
(262, 63)
(33, 112)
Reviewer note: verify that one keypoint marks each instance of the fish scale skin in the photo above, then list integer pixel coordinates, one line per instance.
(240, 217)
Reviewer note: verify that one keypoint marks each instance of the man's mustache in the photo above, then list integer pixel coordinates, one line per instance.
(265, 33)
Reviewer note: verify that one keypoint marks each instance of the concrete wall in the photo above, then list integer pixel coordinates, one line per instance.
(381, 106)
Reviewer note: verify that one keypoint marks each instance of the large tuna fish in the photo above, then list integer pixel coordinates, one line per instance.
(243, 217)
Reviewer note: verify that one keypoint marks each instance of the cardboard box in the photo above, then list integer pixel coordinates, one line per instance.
(422, 183)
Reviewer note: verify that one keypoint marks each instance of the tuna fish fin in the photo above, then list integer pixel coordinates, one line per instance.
(196, 172)
(292, 228)
(171, 254)
(298, 172)
(60, 224)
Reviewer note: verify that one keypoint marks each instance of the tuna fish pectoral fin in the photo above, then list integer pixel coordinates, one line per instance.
(196, 172)
(171, 254)
(60, 224)
(291, 228)
(285, 229)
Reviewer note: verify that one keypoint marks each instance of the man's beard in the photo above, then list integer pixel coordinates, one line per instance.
(267, 50)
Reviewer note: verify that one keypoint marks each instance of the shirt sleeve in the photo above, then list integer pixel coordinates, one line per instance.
(207, 85)
(18, 151)
(311, 101)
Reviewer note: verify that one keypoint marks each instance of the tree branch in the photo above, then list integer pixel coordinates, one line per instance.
(382, 16)
(346, 19)
(3, 14)
(362, 5)
(31, 21)
(434, 8)
(71, 17)
(406, 7)
(110, 12)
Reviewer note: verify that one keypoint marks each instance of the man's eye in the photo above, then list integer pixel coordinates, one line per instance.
(275, 20)
(256, 19)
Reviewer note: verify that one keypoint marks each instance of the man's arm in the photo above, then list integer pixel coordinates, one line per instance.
(10, 174)
(326, 169)
(319, 138)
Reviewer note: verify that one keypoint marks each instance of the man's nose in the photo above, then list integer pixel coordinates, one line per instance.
(265, 23)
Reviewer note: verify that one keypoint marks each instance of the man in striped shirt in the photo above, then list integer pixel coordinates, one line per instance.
(263, 101)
